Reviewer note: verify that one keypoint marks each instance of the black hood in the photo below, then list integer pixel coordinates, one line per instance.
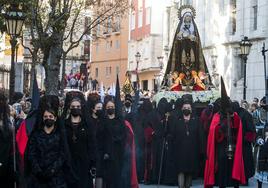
(162, 106)
(225, 105)
(235, 106)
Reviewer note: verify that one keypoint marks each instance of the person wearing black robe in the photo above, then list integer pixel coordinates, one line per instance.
(95, 121)
(111, 138)
(249, 135)
(6, 157)
(169, 170)
(261, 174)
(46, 158)
(154, 133)
(144, 108)
(187, 146)
(81, 144)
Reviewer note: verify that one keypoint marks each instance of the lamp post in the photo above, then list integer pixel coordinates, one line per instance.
(138, 58)
(14, 19)
(245, 46)
(160, 61)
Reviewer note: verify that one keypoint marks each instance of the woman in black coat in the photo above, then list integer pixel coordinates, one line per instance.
(111, 139)
(46, 158)
(95, 122)
(81, 144)
(187, 136)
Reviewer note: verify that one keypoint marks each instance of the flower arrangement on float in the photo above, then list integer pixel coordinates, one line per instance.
(206, 96)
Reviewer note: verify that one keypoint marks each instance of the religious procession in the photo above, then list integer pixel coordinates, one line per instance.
(189, 131)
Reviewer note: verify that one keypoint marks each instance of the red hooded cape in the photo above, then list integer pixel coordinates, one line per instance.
(22, 139)
(238, 172)
(134, 179)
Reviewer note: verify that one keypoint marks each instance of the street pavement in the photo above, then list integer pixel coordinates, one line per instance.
(199, 184)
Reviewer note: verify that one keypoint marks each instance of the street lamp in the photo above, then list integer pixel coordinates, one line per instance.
(138, 58)
(245, 46)
(14, 19)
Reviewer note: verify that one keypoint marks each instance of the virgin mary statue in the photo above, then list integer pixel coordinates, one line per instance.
(186, 62)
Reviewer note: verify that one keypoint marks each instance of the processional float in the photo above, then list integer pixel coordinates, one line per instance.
(186, 71)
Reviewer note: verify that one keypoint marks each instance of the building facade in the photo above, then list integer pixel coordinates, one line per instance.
(222, 25)
(109, 51)
(146, 38)
(5, 63)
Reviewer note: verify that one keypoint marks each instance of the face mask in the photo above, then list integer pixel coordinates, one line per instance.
(49, 122)
(99, 113)
(76, 112)
(186, 112)
(110, 111)
(127, 104)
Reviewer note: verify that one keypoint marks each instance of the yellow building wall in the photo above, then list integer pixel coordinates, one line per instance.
(102, 58)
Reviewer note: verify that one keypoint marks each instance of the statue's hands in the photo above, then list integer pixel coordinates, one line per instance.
(179, 35)
(192, 37)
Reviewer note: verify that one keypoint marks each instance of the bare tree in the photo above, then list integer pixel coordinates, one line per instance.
(55, 22)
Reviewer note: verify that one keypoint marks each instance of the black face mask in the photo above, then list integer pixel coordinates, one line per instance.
(186, 112)
(110, 111)
(49, 122)
(127, 104)
(99, 113)
(76, 112)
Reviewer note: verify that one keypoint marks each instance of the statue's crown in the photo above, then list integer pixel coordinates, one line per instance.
(186, 8)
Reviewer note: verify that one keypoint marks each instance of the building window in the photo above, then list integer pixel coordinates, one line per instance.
(98, 28)
(254, 14)
(109, 25)
(117, 24)
(145, 85)
(148, 15)
(117, 70)
(255, 19)
(108, 71)
(155, 85)
(140, 18)
(87, 24)
(233, 16)
(96, 72)
(133, 24)
(117, 44)
(108, 46)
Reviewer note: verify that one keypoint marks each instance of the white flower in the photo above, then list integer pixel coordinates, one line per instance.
(198, 96)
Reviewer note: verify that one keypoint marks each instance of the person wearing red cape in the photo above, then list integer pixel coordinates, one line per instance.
(224, 164)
